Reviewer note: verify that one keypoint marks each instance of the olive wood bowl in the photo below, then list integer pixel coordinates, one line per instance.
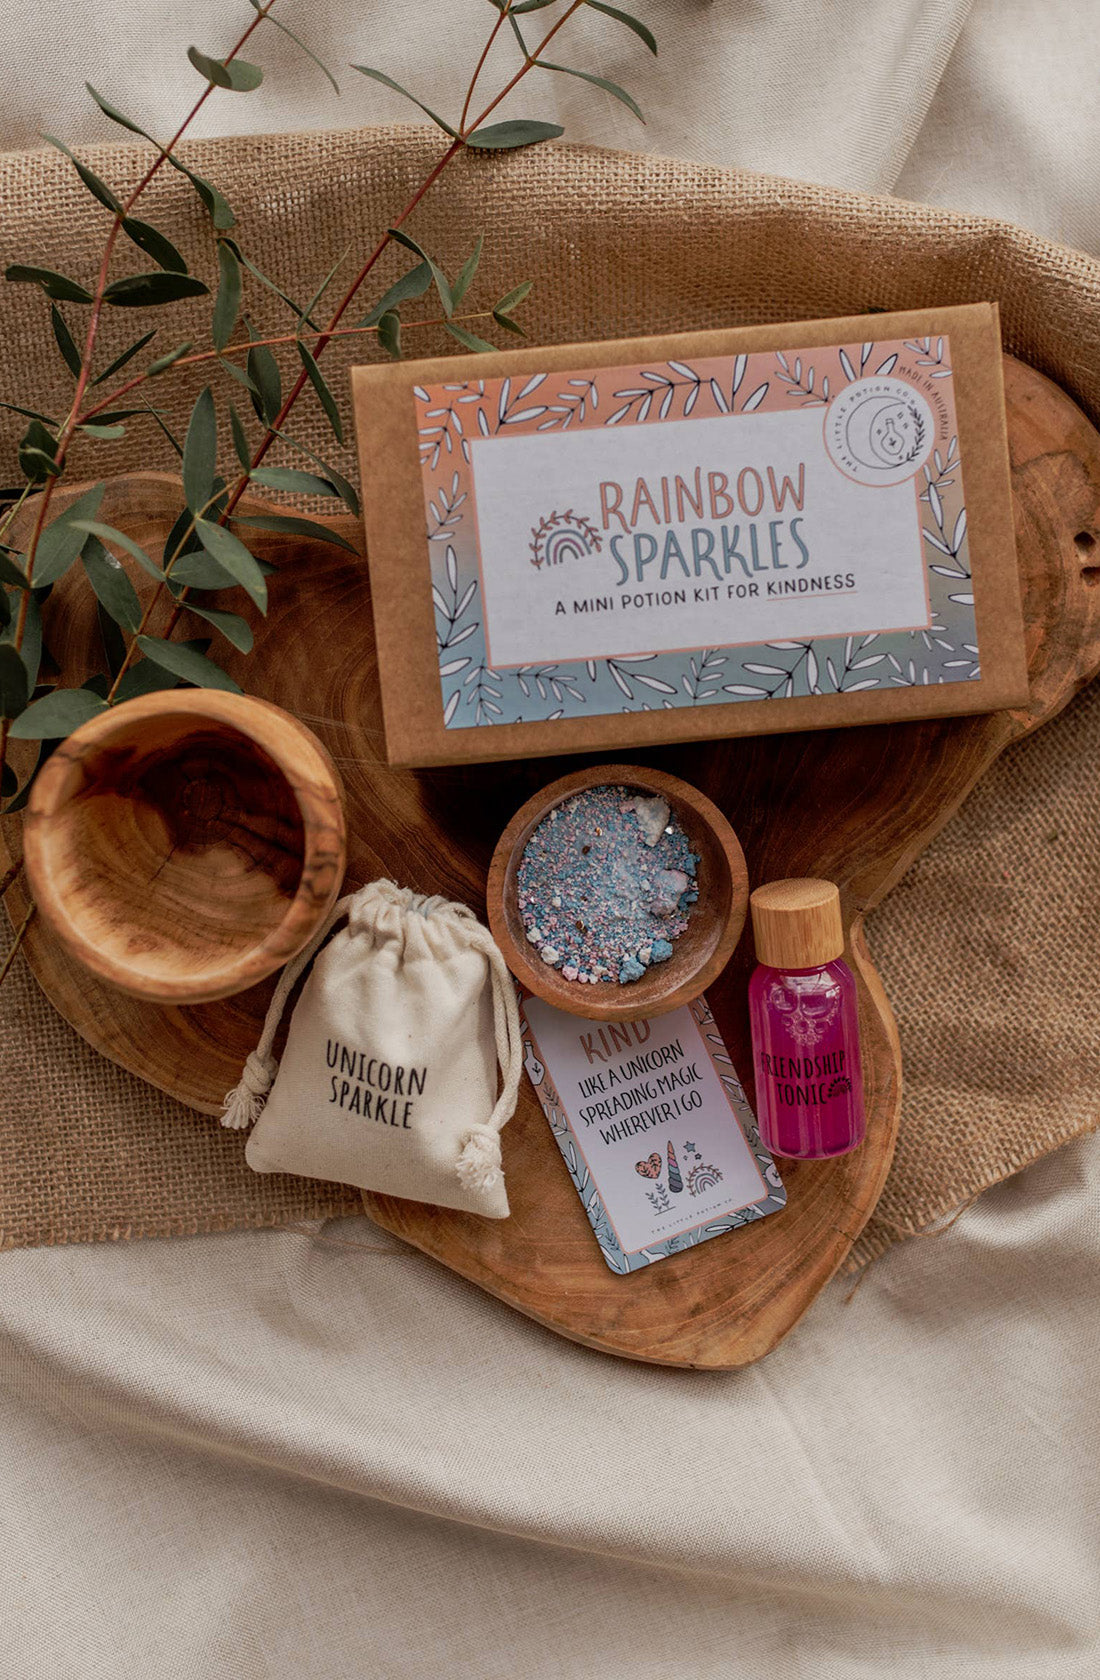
(185, 844)
(700, 953)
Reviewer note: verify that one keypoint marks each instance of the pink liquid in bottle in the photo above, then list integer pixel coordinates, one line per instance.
(805, 1024)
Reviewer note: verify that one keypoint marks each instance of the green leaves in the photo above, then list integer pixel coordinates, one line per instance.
(389, 332)
(442, 284)
(54, 285)
(57, 715)
(38, 453)
(468, 340)
(236, 76)
(263, 370)
(200, 453)
(289, 478)
(290, 525)
(227, 304)
(231, 554)
(632, 23)
(65, 342)
(388, 81)
(98, 189)
(506, 136)
(14, 693)
(63, 538)
(115, 114)
(112, 587)
(613, 88)
(255, 4)
(503, 308)
(411, 285)
(163, 363)
(219, 211)
(466, 273)
(325, 396)
(141, 291)
(108, 534)
(127, 355)
(155, 244)
(234, 628)
(185, 661)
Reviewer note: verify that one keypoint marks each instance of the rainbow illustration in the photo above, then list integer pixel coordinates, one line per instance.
(702, 1179)
(563, 536)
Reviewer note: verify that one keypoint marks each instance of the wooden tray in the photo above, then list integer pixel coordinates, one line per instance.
(857, 806)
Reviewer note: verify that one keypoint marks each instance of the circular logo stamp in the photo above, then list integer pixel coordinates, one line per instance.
(879, 431)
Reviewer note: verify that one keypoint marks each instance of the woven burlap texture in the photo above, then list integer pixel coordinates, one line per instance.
(985, 947)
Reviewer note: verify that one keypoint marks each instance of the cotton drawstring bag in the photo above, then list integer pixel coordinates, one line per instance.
(389, 1076)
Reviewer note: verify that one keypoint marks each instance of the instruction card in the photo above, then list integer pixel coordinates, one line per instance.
(655, 1128)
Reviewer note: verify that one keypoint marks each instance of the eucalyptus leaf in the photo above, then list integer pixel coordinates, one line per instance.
(411, 285)
(227, 303)
(508, 324)
(70, 355)
(146, 677)
(468, 340)
(466, 273)
(229, 551)
(112, 587)
(512, 300)
(632, 23)
(116, 115)
(344, 490)
(233, 627)
(112, 639)
(289, 478)
(237, 374)
(141, 291)
(163, 363)
(31, 414)
(265, 280)
(612, 88)
(14, 692)
(63, 538)
(98, 189)
(442, 284)
(290, 525)
(389, 332)
(200, 453)
(127, 356)
(155, 244)
(92, 429)
(240, 439)
(200, 571)
(187, 663)
(37, 464)
(10, 575)
(298, 42)
(325, 396)
(57, 714)
(264, 372)
(506, 136)
(220, 213)
(388, 81)
(108, 534)
(236, 75)
(32, 640)
(57, 286)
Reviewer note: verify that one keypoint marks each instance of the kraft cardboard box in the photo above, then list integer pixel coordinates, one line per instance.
(595, 546)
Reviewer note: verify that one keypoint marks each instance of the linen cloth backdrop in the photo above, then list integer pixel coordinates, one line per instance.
(274, 1453)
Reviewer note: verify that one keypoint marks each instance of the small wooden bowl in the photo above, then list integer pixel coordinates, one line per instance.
(186, 844)
(702, 950)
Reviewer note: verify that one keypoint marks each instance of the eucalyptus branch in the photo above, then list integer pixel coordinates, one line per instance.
(45, 447)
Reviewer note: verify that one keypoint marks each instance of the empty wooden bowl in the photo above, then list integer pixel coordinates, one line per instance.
(186, 844)
(700, 953)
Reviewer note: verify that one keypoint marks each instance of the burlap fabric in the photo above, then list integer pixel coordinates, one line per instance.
(985, 947)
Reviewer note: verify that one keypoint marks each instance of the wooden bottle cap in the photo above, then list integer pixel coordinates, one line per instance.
(797, 924)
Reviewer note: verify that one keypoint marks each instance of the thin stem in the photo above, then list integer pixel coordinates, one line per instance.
(480, 65)
(17, 942)
(256, 343)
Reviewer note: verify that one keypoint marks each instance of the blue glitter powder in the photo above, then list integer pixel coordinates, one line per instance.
(606, 883)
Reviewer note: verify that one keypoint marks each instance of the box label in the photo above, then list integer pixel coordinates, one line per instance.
(764, 526)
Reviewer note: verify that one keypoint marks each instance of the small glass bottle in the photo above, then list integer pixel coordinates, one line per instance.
(805, 1023)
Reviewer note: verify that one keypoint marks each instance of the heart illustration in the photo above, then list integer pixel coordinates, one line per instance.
(650, 1168)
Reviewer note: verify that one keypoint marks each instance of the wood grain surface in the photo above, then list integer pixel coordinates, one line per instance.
(854, 806)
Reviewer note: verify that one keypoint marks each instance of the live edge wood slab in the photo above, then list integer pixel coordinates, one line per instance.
(856, 806)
